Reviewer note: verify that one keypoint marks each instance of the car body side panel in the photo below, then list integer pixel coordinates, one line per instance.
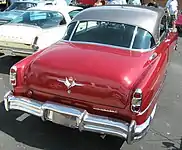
(172, 41)
(153, 81)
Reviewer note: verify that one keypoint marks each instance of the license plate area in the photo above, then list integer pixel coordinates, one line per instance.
(62, 119)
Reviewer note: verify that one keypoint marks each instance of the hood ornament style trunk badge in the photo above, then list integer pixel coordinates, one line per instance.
(69, 83)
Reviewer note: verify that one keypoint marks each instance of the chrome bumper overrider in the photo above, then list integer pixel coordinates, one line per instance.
(78, 118)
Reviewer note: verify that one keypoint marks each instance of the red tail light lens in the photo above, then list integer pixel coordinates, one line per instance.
(136, 101)
(13, 75)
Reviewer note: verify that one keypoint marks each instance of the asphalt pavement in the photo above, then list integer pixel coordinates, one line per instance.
(21, 131)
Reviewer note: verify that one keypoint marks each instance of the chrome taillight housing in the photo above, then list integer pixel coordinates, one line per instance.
(13, 75)
(35, 47)
(136, 101)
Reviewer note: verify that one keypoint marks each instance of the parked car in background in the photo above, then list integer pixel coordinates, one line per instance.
(179, 22)
(104, 76)
(83, 3)
(22, 5)
(19, 7)
(7, 16)
(58, 2)
(16, 9)
(26, 4)
(36, 29)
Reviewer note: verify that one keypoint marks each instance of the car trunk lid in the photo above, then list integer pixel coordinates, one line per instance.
(18, 35)
(96, 74)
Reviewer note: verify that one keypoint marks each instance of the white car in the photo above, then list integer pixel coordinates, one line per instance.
(26, 4)
(36, 29)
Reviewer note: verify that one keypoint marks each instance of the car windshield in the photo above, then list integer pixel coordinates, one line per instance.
(21, 6)
(43, 19)
(9, 15)
(110, 33)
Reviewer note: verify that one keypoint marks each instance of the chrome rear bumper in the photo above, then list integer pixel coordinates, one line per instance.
(78, 118)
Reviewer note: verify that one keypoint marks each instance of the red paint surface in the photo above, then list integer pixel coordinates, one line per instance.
(87, 2)
(110, 76)
(179, 21)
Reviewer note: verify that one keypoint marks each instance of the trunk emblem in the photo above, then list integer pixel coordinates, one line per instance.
(69, 83)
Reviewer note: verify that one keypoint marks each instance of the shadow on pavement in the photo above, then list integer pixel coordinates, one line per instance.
(45, 135)
(171, 146)
(6, 63)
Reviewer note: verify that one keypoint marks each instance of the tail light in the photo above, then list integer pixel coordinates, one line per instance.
(13, 75)
(136, 101)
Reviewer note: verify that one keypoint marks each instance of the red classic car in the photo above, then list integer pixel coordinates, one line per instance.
(179, 22)
(83, 3)
(104, 76)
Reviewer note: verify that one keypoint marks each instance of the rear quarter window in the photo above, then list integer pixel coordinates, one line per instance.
(143, 40)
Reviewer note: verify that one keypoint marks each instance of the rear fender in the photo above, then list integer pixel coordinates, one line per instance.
(148, 83)
(22, 65)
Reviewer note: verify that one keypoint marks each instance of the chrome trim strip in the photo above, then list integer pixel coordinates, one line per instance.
(133, 38)
(74, 30)
(78, 118)
(16, 52)
(8, 47)
(112, 46)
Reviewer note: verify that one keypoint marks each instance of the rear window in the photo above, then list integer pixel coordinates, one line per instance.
(110, 33)
(10, 14)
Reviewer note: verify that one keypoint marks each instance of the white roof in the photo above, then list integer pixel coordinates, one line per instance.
(56, 8)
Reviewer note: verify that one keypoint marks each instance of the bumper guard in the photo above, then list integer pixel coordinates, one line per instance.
(78, 118)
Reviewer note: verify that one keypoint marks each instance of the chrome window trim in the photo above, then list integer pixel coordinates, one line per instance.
(133, 38)
(76, 25)
(112, 46)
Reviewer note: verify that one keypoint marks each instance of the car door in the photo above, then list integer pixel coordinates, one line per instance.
(158, 62)
(167, 39)
(170, 39)
(162, 51)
